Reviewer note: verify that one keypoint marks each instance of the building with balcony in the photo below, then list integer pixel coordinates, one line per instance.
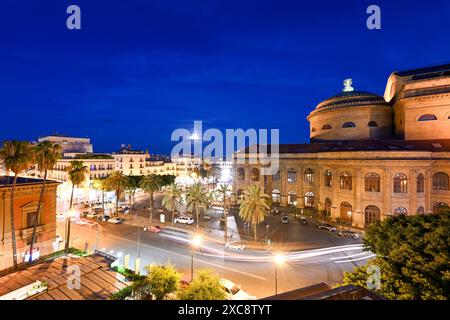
(369, 156)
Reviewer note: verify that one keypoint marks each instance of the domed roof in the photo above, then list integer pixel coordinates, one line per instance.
(350, 98)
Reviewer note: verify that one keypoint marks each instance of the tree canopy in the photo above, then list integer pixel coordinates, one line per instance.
(413, 255)
(204, 286)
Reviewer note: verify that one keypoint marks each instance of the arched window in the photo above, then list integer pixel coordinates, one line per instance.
(255, 174)
(440, 207)
(292, 175)
(400, 183)
(400, 211)
(346, 211)
(349, 124)
(327, 127)
(327, 178)
(440, 181)
(313, 129)
(309, 199)
(276, 196)
(372, 124)
(276, 176)
(420, 183)
(371, 214)
(241, 173)
(292, 198)
(309, 175)
(345, 180)
(427, 117)
(420, 210)
(327, 205)
(372, 182)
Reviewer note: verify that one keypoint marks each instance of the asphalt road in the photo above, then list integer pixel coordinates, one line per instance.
(253, 269)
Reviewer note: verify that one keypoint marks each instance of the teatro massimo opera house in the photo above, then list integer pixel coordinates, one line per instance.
(369, 156)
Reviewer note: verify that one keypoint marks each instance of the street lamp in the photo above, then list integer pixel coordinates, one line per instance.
(267, 232)
(69, 215)
(279, 260)
(196, 241)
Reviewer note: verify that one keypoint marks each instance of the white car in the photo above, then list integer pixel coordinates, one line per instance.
(185, 220)
(92, 215)
(233, 291)
(235, 245)
(115, 220)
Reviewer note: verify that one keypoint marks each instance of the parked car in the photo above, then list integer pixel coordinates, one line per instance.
(348, 234)
(184, 219)
(106, 218)
(275, 212)
(302, 220)
(92, 215)
(84, 214)
(285, 219)
(327, 226)
(233, 291)
(235, 245)
(115, 220)
(153, 229)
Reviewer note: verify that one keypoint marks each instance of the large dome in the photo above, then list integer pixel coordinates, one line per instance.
(351, 115)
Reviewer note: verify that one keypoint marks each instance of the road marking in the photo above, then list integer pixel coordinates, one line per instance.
(350, 256)
(351, 260)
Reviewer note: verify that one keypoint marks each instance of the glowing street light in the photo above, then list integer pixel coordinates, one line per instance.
(196, 242)
(279, 260)
(349, 214)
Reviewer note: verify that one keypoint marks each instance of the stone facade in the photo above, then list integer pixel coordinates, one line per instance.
(358, 176)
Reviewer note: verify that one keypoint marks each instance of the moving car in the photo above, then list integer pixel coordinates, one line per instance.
(285, 219)
(184, 219)
(327, 226)
(235, 245)
(348, 234)
(275, 212)
(153, 229)
(115, 220)
(84, 214)
(92, 215)
(302, 220)
(233, 291)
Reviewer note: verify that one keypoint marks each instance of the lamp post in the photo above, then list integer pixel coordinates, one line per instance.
(267, 232)
(196, 241)
(279, 260)
(69, 215)
(349, 214)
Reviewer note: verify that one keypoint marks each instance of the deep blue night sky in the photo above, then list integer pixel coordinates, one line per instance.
(139, 69)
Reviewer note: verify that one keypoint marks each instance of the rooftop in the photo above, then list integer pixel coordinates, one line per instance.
(426, 73)
(8, 180)
(364, 145)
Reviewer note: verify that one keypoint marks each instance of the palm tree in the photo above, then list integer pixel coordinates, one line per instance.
(17, 157)
(117, 181)
(100, 184)
(197, 198)
(133, 183)
(223, 191)
(151, 184)
(254, 206)
(172, 198)
(77, 175)
(46, 154)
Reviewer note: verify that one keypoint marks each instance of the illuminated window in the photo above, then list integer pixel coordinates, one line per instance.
(420, 183)
(292, 175)
(276, 196)
(327, 178)
(372, 124)
(371, 214)
(420, 210)
(276, 176)
(309, 199)
(440, 181)
(241, 174)
(309, 175)
(345, 180)
(348, 125)
(372, 182)
(292, 198)
(313, 129)
(427, 117)
(400, 183)
(327, 127)
(400, 211)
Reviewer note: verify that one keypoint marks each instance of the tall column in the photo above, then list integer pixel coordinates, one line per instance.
(335, 204)
(301, 190)
(357, 217)
(317, 185)
(387, 195)
(283, 185)
(412, 191)
(428, 191)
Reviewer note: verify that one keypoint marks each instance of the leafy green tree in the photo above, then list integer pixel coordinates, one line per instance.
(167, 179)
(163, 280)
(413, 254)
(117, 181)
(151, 184)
(46, 154)
(197, 198)
(254, 206)
(172, 198)
(204, 286)
(133, 183)
(17, 156)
